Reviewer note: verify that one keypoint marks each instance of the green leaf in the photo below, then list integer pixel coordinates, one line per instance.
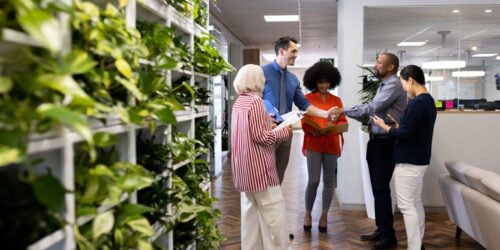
(166, 116)
(122, 113)
(119, 237)
(124, 68)
(77, 62)
(142, 226)
(64, 84)
(103, 224)
(5, 84)
(135, 209)
(144, 245)
(85, 210)
(49, 191)
(132, 212)
(123, 3)
(101, 170)
(75, 120)
(103, 139)
(133, 182)
(129, 84)
(91, 190)
(42, 26)
(114, 196)
(9, 155)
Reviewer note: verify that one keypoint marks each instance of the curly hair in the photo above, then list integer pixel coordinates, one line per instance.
(321, 72)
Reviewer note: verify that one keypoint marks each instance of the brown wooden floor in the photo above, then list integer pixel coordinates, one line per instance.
(344, 226)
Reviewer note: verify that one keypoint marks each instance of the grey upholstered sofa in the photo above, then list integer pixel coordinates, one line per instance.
(472, 199)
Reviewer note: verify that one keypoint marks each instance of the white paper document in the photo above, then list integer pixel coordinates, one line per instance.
(290, 119)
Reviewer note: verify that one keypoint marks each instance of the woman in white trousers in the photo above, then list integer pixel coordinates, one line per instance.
(412, 152)
(263, 222)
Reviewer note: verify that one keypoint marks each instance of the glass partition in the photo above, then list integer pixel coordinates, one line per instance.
(458, 48)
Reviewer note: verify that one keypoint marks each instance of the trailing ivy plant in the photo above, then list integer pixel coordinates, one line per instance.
(184, 93)
(151, 154)
(183, 6)
(207, 59)
(200, 13)
(184, 148)
(105, 183)
(205, 133)
(202, 95)
(159, 39)
(196, 219)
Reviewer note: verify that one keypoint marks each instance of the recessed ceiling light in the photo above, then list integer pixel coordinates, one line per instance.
(408, 44)
(498, 57)
(487, 11)
(282, 18)
(474, 48)
(485, 55)
(443, 65)
(456, 11)
(467, 73)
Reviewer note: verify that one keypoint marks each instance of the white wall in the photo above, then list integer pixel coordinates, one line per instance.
(470, 137)
(350, 54)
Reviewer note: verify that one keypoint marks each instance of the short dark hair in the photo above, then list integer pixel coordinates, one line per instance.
(414, 72)
(393, 59)
(283, 43)
(321, 72)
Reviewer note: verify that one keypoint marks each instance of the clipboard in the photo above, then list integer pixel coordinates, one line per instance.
(291, 118)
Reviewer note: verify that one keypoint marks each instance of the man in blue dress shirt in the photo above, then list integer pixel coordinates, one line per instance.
(282, 88)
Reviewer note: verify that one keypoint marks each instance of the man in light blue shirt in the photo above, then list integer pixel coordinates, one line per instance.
(279, 78)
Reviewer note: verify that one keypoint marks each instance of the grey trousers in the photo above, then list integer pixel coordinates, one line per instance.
(315, 161)
(282, 151)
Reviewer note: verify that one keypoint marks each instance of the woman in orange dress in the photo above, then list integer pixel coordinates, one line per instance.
(322, 143)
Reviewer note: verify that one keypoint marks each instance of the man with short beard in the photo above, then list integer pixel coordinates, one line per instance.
(282, 88)
(390, 101)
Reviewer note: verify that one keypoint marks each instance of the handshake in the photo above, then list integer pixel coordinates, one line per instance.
(334, 113)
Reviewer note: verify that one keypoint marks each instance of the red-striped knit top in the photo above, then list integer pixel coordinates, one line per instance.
(252, 143)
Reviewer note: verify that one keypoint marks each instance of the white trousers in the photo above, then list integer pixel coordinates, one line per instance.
(263, 220)
(408, 180)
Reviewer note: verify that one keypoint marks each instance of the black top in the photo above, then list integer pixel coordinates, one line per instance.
(414, 135)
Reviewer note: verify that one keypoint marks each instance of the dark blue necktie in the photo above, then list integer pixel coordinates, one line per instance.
(282, 103)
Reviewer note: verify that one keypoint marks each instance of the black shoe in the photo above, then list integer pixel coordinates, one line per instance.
(322, 229)
(307, 228)
(422, 247)
(385, 243)
(375, 236)
(291, 236)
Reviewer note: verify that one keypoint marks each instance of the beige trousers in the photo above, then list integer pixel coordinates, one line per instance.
(263, 220)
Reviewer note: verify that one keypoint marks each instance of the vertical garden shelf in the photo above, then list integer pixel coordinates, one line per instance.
(58, 148)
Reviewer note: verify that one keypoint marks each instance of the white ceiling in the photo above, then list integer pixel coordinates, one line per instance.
(386, 27)
(245, 19)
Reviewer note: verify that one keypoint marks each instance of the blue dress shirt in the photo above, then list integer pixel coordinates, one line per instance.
(294, 94)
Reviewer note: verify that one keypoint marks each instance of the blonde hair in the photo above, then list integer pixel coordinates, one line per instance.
(250, 78)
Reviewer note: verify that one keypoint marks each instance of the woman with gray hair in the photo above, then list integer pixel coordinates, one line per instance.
(263, 222)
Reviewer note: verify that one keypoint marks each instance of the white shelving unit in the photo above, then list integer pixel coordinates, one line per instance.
(57, 148)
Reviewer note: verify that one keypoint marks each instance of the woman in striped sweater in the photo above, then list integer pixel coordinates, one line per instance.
(263, 222)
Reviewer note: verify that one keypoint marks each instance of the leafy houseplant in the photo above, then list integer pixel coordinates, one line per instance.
(207, 59)
(105, 183)
(205, 133)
